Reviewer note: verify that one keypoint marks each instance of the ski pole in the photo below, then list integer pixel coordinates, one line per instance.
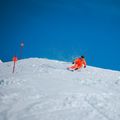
(14, 60)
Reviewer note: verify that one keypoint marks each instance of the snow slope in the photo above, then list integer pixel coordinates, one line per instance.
(0, 61)
(42, 89)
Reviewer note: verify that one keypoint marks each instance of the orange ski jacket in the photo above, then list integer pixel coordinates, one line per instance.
(79, 62)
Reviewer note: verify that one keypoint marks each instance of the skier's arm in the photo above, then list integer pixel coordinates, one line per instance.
(84, 64)
(73, 62)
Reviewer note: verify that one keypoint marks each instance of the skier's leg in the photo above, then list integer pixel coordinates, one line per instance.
(76, 69)
(72, 67)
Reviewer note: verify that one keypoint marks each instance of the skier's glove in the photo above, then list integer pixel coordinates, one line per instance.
(72, 62)
(84, 66)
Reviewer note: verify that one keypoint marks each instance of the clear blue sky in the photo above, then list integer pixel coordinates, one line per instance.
(62, 29)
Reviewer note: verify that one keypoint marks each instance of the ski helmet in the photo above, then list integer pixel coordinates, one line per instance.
(82, 56)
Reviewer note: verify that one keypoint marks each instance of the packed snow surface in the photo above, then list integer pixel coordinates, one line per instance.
(42, 89)
(0, 61)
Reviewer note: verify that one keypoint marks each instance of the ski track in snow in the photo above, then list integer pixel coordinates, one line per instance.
(42, 89)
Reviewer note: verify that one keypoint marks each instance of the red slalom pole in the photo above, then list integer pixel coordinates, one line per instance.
(15, 59)
(21, 49)
(14, 67)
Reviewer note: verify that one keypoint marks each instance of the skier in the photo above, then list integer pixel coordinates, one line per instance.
(78, 63)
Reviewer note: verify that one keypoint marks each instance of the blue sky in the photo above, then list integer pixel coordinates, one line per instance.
(62, 29)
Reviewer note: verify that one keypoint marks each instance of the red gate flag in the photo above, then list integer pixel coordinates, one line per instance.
(15, 59)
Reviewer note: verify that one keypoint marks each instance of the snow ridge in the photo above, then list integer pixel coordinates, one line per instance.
(42, 89)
